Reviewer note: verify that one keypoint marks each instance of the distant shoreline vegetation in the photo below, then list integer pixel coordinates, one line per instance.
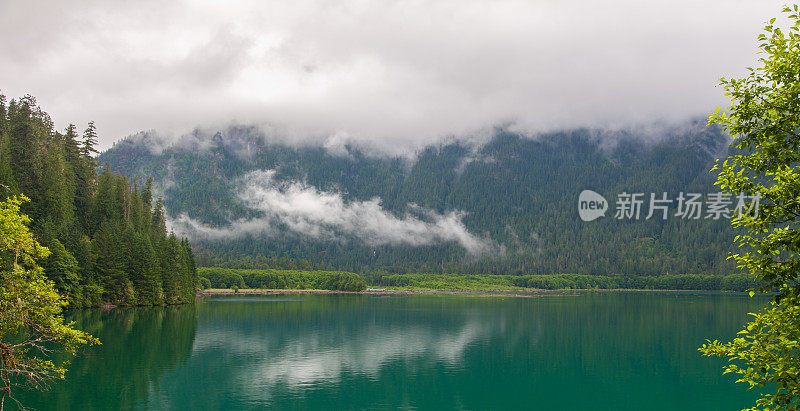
(229, 278)
(280, 279)
(487, 282)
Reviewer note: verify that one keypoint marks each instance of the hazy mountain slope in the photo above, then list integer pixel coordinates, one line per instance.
(509, 205)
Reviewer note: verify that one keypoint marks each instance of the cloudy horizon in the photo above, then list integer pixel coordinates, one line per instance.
(390, 74)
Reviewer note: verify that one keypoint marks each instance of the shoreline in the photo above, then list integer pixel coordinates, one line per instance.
(531, 293)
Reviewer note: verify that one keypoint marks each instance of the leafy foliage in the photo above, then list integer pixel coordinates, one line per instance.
(768, 348)
(765, 117)
(31, 325)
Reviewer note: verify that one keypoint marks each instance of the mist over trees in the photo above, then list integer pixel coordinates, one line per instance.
(515, 193)
(107, 241)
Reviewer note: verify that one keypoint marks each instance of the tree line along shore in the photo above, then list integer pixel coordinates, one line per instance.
(275, 279)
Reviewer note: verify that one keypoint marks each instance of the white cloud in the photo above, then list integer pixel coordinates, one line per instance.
(307, 211)
(376, 73)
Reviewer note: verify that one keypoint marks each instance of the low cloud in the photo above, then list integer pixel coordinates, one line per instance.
(297, 208)
(245, 141)
(384, 74)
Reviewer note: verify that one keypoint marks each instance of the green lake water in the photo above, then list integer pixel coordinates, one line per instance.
(589, 351)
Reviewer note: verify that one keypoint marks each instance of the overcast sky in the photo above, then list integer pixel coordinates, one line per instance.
(383, 73)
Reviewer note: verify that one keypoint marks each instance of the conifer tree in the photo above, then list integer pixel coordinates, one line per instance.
(89, 140)
(8, 185)
(26, 140)
(58, 190)
(72, 146)
(62, 268)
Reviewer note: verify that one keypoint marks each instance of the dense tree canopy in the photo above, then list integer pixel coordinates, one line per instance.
(107, 241)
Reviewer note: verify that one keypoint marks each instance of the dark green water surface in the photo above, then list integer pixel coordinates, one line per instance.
(589, 351)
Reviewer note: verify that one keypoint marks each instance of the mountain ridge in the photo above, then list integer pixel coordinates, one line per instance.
(517, 193)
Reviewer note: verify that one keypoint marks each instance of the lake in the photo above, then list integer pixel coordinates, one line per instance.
(600, 351)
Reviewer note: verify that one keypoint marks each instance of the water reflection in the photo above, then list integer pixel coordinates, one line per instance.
(139, 345)
(309, 359)
(616, 351)
(591, 351)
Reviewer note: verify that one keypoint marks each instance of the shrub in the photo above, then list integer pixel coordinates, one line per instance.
(205, 283)
(284, 279)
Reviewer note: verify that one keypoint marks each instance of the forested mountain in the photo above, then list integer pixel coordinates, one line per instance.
(107, 241)
(506, 206)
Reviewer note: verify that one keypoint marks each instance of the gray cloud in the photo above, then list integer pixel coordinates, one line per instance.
(306, 211)
(379, 74)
